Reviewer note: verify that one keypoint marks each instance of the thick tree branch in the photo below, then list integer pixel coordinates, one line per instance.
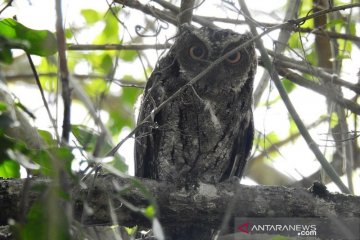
(186, 11)
(206, 205)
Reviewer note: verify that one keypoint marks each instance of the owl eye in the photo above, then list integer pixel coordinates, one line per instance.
(234, 58)
(197, 52)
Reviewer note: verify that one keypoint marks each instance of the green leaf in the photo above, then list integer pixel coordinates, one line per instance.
(293, 127)
(131, 230)
(43, 159)
(91, 16)
(294, 40)
(110, 33)
(52, 158)
(288, 85)
(119, 164)
(130, 95)
(9, 169)
(335, 23)
(96, 87)
(128, 55)
(85, 136)
(352, 28)
(150, 211)
(118, 120)
(38, 42)
(6, 55)
(3, 106)
(45, 220)
(106, 63)
(345, 48)
(334, 120)
(88, 138)
(47, 137)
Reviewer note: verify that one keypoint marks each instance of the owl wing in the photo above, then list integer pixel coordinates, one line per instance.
(241, 148)
(155, 93)
(144, 139)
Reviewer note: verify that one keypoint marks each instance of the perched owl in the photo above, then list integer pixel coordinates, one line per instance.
(206, 133)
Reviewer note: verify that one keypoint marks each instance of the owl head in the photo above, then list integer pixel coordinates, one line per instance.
(196, 49)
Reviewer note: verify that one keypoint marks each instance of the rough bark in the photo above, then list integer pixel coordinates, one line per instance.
(205, 205)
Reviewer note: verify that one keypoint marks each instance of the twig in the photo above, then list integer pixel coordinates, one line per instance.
(208, 21)
(200, 75)
(79, 91)
(163, 15)
(6, 6)
(64, 72)
(154, 12)
(38, 83)
(283, 38)
(285, 62)
(136, 47)
(302, 129)
(322, 12)
(325, 90)
(120, 82)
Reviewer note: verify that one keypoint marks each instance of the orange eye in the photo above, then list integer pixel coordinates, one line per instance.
(234, 58)
(197, 52)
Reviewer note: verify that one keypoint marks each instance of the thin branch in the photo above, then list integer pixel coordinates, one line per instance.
(333, 35)
(163, 15)
(208, 21)
(119, 82)
(304, 132)
(301, 126)
(200, 75)
(168, 5)
(38, 83)
(283, 38)
(152, 11)
(81, 94)
(322, 12)
(9, 3)
(285, 62)
(64, 72)
(136, 47)
(275, 146)
(322, 89)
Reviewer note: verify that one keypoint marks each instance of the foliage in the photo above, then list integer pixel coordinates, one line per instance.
(15, 35)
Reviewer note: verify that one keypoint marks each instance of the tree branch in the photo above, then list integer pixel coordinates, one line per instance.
(136, 47)
(64, 72)
(302, 129)
(322, 89)
(205, 205)
(186, 11)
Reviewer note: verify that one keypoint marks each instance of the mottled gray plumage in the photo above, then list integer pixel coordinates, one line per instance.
(206, 133)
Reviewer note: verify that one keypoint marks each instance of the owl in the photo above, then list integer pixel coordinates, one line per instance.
(204, 134)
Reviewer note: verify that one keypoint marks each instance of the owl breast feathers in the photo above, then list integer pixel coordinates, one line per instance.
(206, 133)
